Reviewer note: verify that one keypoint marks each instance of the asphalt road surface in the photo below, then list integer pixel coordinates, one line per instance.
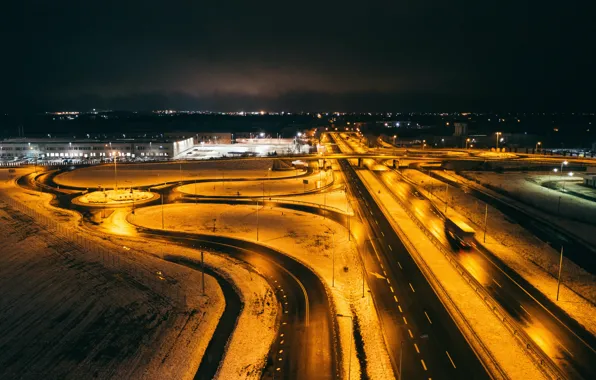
(307, 348)
(560, 337)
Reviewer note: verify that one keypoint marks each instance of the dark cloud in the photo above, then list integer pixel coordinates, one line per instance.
(298, 55)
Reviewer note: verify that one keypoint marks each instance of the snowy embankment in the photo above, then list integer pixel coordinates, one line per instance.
(265, 188)
(312, 240)
(488, 336)
(527, 188)
(177, 352)
(535, 261)
(78, 319)
(158, 173)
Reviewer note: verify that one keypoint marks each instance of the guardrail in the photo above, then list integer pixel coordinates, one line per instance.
(121, 261)
(477, 343)
(542, 361)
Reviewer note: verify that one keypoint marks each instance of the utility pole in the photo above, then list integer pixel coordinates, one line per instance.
(162, 219)
(446, 195)
(115, 173)
(560, 270)
(203, 271)
(485, 220)
(333, 259)
(257, 220)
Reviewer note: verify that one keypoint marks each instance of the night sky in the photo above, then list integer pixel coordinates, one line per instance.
(306, 55)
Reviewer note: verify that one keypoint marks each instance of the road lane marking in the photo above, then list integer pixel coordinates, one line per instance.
(391, 249)
(427, 317)
(382, 233)
(524, 309)
(385, 273)
(410, 332)
(423, 365)
(395, 298)
(400, 310)
(376, 222)
(398, 263)
(391, 287)
(416, 347)
(387, 279)
(412, 287)
(565, 348)
(405, 320)
(451, 360)
(495, 281)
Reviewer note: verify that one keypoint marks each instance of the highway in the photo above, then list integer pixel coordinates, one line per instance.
(422, 339)
(579, 252)
(306, 350)
(559, 336)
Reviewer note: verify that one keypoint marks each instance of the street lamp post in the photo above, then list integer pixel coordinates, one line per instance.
(350, 349)
(497, 139)
(332, 258)
(563, 163)
(162, 218)
(115, 172)
(257, 219)
(559, 277)
(467, 142)
(537, 145)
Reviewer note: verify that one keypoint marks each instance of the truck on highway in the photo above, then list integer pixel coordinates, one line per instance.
(459, 232)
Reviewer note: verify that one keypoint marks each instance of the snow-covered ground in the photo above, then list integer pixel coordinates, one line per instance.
(527, 188)
(313, 240)
(183, 343)
(531, 258)
(159, 173)
(492, 333)
(265, 188)
(496, 155)
(78, 319)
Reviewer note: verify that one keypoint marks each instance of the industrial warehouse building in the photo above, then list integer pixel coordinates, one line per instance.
(51, 149)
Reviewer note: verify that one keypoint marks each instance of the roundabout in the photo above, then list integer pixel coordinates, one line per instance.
(115, 198)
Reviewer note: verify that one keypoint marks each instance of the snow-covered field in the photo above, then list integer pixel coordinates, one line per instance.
(159, 173)
(65, 317)
(186, 333)
(526, 187)
(310, 239)
(531, 258)
(264, 188)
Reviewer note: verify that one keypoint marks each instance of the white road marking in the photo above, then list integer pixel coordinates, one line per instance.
(495, 281)
(423, 365)
(416, 347)
(398, 263)
(524, 309)
(451, 360)
(391, 287)
(391, 249)
(400, 310)
(427, 317)
(410, 332)
(395, 298)
(405, 320)
(412, 287)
